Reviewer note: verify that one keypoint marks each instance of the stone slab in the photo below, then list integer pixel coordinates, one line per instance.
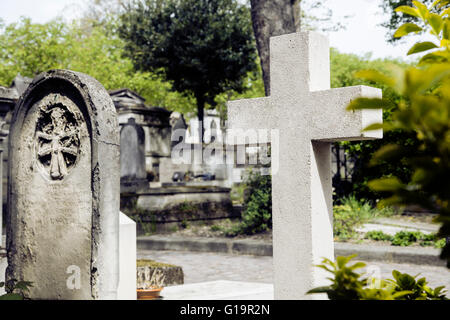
(219, 290)
(3, 265)
(391, 230)
(127, 259)
(432, 227)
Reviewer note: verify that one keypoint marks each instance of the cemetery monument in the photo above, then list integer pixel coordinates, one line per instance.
(309, 117)
(63, 193)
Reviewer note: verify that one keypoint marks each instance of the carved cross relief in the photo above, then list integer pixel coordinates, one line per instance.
(57, 137)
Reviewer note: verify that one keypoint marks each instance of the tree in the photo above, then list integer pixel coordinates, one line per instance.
(272, 18)
(28, 48)
(203, 47)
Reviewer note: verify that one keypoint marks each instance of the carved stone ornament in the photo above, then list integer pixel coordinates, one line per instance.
(57, 135)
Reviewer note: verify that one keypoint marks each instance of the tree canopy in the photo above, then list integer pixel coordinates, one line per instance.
(28, 48)
(203, 47)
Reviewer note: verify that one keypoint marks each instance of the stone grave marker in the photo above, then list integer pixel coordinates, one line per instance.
(309, 117)
(63, 193)
(133, 175)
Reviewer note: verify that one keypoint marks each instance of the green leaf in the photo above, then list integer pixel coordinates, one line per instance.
(23, 285)
(435, 21)
(408, 10)
(407, 28)
(386, 184)
(436, 2)
(386, 152)
(369, 103)
(11, 296)
(445, 12)
(374, 126)
(320, 290)
(422, 46)
(445, 31)
(434, 57)
(422, 9)
(401, 294)
(375, 76)
(325, 268)
(358, 265)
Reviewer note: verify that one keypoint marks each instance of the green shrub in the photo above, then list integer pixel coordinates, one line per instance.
(423, 111)
(216, 228)
(237, 193)
(347, 284)
(352, 213)
(257, 214)
(406, 238)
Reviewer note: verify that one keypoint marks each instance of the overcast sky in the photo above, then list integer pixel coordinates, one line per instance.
(362, 35)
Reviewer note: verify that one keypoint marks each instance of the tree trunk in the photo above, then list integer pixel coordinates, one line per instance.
(200, 115)
(272, 18)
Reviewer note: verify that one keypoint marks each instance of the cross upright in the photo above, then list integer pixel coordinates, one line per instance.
(309, 116)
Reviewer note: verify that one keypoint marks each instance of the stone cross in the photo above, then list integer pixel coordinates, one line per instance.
(63, 190)
(309, 117)
(58, 144)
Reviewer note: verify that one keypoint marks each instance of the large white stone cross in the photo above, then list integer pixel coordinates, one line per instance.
(309, 116)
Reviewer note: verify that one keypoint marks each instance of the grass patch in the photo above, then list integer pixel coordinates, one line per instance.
(237, 193)
(407, 238)
(352, 213)
(378, 236)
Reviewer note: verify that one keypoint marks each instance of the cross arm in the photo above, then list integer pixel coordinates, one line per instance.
(334, 123)
(252, 116)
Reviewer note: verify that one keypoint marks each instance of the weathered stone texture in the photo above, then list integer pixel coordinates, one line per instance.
(64, 188)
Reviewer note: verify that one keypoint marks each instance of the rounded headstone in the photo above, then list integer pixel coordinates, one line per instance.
(63, 192)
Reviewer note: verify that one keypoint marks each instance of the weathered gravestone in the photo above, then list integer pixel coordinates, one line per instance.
(309, 116)
(133, 175)
(63, 193)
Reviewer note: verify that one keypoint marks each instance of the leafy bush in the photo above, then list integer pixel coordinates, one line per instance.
(347, 284)
(406, 238)
(378, 236)
(424, 111)
(343, 68)
(353, 213)
(418, 289)
(257, 214)
(237, 193)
